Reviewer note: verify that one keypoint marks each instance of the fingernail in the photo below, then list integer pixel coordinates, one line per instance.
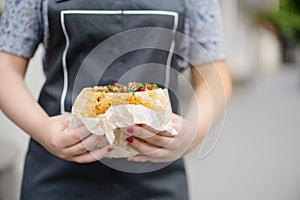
(141, 125)
(130, 160)
(109, 149)
(130, 130)
(130, 140)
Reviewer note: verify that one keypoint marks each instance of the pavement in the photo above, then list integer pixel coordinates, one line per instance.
(258, 154)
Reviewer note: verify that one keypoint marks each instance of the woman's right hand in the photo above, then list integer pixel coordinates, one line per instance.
(72, 144)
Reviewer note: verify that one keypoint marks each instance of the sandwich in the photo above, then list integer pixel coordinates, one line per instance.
(111, 109)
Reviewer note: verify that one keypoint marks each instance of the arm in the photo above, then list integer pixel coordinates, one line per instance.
(18, 104)
(213, 88)
(15, 100)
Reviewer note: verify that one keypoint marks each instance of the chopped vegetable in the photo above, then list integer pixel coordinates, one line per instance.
(142, 89)
(132, 87)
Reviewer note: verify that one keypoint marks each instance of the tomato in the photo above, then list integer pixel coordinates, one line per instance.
(115, 84)
(142, 89)
(149, 87)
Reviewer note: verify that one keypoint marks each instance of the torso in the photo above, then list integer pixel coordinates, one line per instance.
(76, 28)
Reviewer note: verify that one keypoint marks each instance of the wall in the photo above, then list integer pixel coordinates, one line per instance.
(249, 48)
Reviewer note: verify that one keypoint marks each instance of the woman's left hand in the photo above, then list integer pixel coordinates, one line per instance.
(160, 146)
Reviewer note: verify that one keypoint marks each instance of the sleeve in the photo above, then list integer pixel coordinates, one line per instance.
(21, 27)
(204, 25)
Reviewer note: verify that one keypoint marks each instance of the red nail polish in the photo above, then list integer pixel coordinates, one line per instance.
(109, 149)
(130, 130)
(130, 140)
(141, 125)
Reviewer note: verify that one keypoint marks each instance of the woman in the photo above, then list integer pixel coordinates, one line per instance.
(58, 164)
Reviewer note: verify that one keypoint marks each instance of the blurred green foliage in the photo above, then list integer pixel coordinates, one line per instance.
(287, 19)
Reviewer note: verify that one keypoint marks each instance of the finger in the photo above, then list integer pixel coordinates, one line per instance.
(147, 148)
(156, 140)
(93, 156)
(150, 137)
(144, 131)
(160, 141)
(165, 134)
(74, 136)
(140, 132)
(93, 142)
(149, 128)
(76, 150)
(82, 132)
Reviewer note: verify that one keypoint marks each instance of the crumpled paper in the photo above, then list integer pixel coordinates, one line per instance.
(114, 122)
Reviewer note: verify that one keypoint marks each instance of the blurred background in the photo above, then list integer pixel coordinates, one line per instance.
(256, 157)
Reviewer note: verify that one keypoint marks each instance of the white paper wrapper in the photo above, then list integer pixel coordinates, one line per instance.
(114, 122)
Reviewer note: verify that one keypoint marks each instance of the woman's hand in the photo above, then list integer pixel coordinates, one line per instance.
(160, 146)
(51, 132)
(75, 144)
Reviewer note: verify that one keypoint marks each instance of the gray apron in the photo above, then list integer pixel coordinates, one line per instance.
(73, 35)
